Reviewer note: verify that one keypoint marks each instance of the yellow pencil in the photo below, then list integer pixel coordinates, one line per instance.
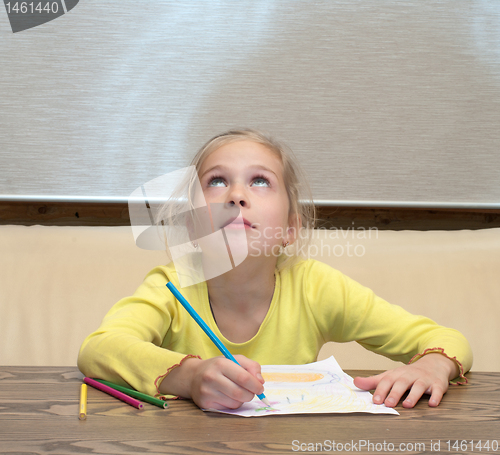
(83, 402)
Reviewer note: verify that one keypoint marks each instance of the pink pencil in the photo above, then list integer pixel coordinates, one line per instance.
(121, 396)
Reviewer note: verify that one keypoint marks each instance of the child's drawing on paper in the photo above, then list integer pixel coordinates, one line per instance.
(320, 387)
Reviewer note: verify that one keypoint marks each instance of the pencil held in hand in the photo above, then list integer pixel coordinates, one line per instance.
(208, 331)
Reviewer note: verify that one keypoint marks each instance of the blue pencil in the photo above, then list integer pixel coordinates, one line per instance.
(208, 331)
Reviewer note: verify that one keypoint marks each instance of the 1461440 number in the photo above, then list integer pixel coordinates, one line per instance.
(473, 446)
(32, 7)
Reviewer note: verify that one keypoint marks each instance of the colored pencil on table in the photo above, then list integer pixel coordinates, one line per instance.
(115, 393)
(83, 402)
(135, 394)
(208, 331)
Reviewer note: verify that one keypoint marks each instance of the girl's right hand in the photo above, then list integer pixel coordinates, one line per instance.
(218, 382)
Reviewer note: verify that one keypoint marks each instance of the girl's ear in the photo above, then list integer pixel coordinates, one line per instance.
(294, 224)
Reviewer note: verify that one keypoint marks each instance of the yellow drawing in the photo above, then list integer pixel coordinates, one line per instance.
(292, 377)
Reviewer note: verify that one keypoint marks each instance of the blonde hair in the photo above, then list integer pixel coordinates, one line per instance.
(299, 193)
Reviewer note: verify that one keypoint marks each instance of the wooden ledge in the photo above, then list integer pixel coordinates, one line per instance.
(116, 214)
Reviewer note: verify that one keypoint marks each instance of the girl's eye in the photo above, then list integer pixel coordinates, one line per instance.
(261, 181)
(216, 181)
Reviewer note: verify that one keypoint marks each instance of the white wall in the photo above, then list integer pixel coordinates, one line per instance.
(382, 100)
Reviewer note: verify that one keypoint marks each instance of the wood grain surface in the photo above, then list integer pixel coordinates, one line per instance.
(39, 415)
(52, 213)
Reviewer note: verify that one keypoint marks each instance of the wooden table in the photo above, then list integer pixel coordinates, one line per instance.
(39, 414)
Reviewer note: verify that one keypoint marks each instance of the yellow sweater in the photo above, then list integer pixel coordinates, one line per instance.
(145, 335)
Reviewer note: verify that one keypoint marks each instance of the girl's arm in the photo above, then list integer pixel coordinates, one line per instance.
(351, 312)
(127, 347)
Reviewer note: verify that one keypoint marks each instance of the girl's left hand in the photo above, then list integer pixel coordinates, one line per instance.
(430, 374)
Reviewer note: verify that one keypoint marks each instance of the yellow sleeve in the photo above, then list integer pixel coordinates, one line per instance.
(348, 311)
(126, 348)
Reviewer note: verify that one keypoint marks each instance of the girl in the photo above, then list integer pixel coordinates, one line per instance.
(271, 309)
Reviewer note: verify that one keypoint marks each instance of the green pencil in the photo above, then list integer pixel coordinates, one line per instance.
(136, 394)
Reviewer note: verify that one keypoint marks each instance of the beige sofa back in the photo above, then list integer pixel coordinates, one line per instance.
(57, 283)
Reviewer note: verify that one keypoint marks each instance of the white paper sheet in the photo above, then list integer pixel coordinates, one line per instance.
(316, 388)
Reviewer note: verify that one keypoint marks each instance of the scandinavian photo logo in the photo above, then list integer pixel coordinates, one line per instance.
(25, 15)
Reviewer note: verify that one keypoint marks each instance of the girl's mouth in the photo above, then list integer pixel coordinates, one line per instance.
(239, 223)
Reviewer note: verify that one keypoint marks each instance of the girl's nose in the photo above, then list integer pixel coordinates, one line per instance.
(237, 196)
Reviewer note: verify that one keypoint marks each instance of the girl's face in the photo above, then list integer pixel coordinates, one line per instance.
(249, 176)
